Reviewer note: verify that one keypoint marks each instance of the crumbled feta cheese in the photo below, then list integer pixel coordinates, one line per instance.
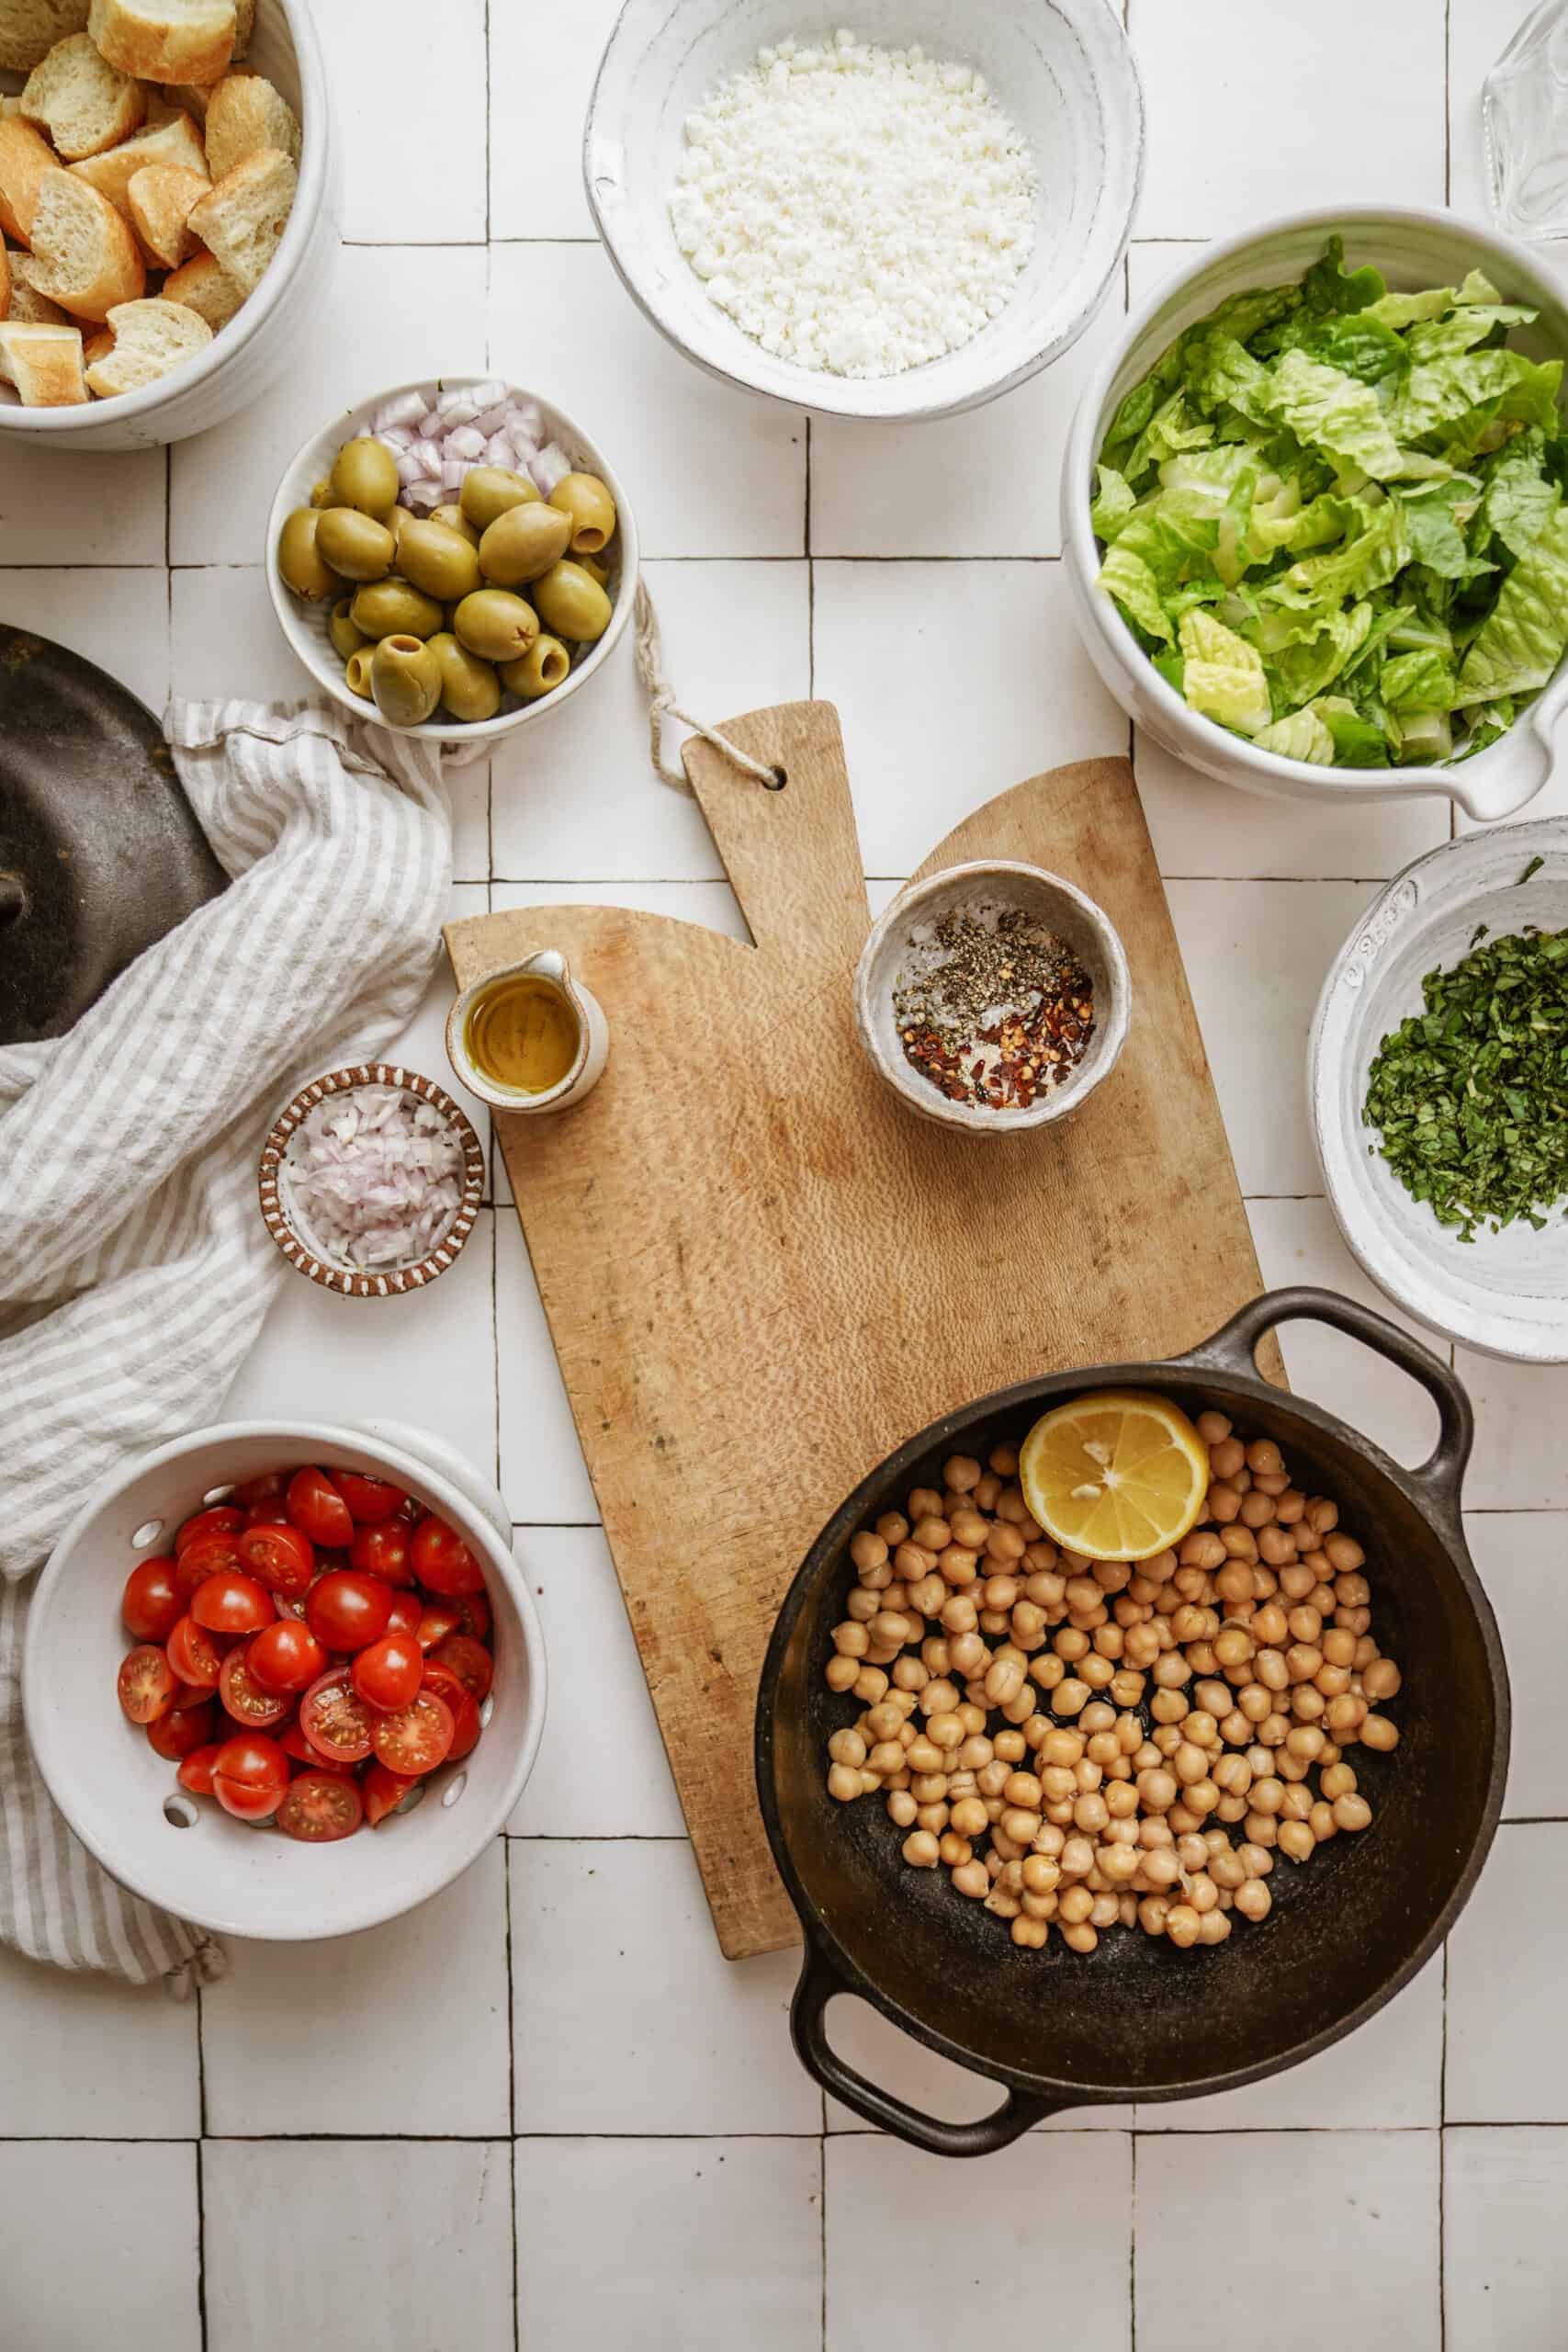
(856, 209)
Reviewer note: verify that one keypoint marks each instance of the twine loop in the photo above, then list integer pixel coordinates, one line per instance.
(661, 702)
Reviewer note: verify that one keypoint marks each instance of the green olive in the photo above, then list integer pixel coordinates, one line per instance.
(488, 491)
(495, 625)
(300, 561)
(365, 474)
(393, 609)
(539, 671)
(469, 687)
(357, 672)
(585, 499)
(355, 545)
(345, 638)
(594, 568)
(396, 522)
(442, 562)
(405, 678)
(523, 544)
(571, 604)
(455, 520)
(324, 494)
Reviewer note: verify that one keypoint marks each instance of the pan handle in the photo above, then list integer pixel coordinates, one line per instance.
(819, 1982)
(1442, 1476)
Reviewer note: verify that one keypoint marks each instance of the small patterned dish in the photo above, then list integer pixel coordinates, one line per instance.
(291, 1233)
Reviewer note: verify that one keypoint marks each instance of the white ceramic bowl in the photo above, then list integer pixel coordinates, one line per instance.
(275, 326)
(305, 625)
(1063, 70)
(1074, 919)
(113, 1789)
(1412, 249)
(1505, 1294)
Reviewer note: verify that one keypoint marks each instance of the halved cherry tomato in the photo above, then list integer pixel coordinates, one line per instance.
(473, 1614)
(347, 1610)
(274, 1512)
(221, 1520)
(205, 1558)
(249, 1776)
(369, 1500)
(261, 1488)
(195, 1773)
(293, 1742)
(336, 1719)
(194, 1655)
(407, 1611)
(443, 1561)
(460, 1704)
(389, 1673)
(315, 1505)
(383, 1792)
(230, 1602)
(146, 1683)
(469, 1661)
(320, 1806)
(248, 1701)
(383, 1552)
(152, 1607)
(438, 1621)
(184, 1729)
(285, 1656)
(417, 1738)
(279, 1558)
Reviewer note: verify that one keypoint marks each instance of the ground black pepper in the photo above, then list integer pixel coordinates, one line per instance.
(999, 1011)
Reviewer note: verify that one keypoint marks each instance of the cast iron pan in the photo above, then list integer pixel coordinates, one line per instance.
(1138, 2018)
(100, 852)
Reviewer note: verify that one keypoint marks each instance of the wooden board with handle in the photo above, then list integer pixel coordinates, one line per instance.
(761, 1272)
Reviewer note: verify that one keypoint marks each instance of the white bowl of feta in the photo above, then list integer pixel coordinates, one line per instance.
(899, 217)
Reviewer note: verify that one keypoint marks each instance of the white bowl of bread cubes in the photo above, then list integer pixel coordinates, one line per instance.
(166, 211)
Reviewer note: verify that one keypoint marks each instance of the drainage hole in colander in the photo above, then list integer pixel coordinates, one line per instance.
(454, 1789)
(181, 1812)
(148, 1532)
(486, 1711)
(217, 1494)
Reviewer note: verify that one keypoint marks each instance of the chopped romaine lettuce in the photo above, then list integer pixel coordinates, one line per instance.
(1334, 517)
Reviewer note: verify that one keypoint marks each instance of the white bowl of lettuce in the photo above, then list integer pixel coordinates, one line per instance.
(1315, 513)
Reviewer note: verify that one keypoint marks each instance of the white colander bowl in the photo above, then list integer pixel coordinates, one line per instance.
(186, 1854)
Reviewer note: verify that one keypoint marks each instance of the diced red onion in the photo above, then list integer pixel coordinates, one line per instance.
(552, 465)
(407, 408)
(527, 421)
(410, 470)
(422, 496)
(465, 441)
(374, 1178)
(490, 392)
(452, 473)
(396, 437)
(499, 451)
(495, 419)
(457, 406)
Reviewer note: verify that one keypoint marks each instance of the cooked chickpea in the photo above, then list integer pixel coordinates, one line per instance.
(1253, 1899)
(1378, 1732)
(1352, 1812)
(1297, 1840)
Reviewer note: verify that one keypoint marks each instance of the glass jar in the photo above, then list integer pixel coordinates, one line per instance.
(1524, 105)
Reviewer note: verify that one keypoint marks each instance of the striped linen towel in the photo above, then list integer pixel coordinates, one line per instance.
(135, 1270)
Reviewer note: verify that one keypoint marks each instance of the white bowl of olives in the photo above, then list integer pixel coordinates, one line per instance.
(452, 559)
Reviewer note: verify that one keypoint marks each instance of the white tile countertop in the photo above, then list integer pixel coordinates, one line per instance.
(543, 2111)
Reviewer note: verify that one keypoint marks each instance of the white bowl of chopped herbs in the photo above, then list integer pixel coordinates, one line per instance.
(1438, 1083)
(1315, 513)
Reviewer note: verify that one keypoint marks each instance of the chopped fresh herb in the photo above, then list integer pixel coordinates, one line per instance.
(1533, 868)
(1471, 1096)
(1479, 933)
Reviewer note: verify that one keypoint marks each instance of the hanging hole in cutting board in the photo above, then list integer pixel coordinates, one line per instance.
(780, 778)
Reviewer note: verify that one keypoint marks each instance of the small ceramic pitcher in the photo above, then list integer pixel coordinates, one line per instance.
(593, 1038)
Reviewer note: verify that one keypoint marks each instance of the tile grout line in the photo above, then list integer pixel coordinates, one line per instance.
(1133, 2235)
(201, 2240)
(1442, 2165)
(822, 2216)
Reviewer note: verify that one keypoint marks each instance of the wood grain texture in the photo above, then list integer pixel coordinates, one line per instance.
(762, 1272)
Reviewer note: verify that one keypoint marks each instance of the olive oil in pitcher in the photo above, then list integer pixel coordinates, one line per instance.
(523, 1034)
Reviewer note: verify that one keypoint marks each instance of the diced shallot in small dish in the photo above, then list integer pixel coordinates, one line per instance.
(371, 1180)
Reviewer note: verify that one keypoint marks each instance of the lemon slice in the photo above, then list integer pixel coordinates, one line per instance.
(1117, 1475)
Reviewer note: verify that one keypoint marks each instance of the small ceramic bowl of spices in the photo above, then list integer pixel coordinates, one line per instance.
(993, 997)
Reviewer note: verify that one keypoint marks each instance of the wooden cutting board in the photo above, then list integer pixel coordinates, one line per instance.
(763, 1273)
